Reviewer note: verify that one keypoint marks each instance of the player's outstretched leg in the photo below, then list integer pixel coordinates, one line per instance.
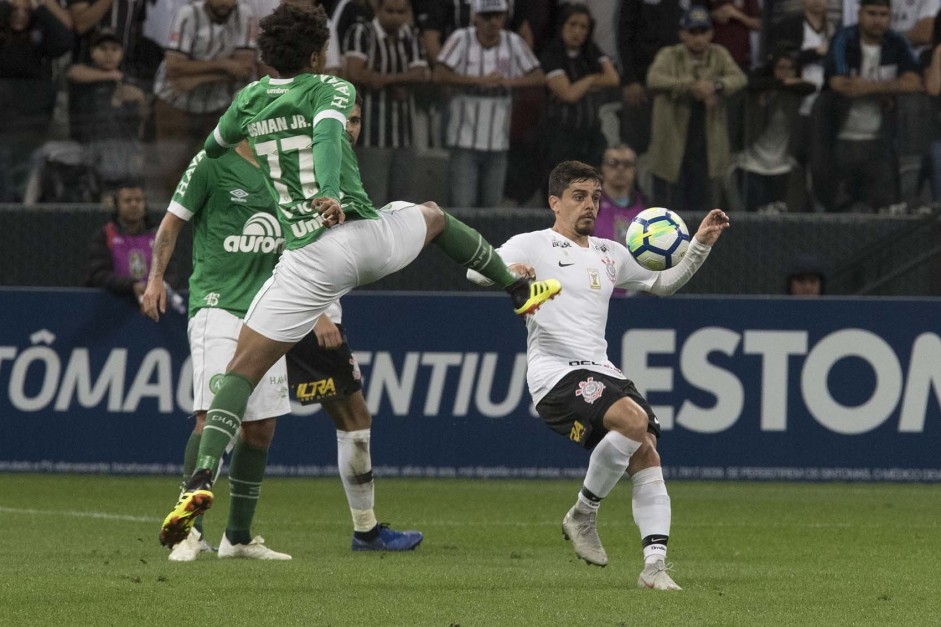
(469, 248)
(195, 500)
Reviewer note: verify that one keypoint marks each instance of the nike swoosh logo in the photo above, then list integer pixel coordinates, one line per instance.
(563, 265)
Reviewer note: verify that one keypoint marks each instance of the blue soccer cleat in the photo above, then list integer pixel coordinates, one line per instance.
(388, 540)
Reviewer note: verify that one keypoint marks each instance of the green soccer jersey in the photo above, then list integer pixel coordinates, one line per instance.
(236, 234)
(297, 130)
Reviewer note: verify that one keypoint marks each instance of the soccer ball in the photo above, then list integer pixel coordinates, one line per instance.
(658, 238)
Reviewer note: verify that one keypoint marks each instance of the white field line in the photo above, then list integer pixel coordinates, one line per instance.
(78, 514)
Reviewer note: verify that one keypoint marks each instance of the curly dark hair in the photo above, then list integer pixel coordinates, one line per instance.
(569, 172)
(291, 34)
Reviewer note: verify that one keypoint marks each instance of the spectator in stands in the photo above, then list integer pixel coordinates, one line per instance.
(120, 253)
(484, 63)
(123, 17)
(438, 20)
(915, 19)
(689, 148)
(346, 13)
(155, 32)
(32, 33)
(106, 111)
(621, 198)
(384, 58)
(809, 31)
(733, 22)
(866, 66)
(775, 92)
(210, 55)
(806, 276)
(912, 18)
(576, 72)
(643, 29)
(931, 62)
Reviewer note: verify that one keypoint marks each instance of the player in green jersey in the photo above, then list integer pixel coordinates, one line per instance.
(215, 189)
(295, 125)
(236, 243)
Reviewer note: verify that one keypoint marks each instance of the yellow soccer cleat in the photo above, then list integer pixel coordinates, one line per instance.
(176, 526)
(539, 293)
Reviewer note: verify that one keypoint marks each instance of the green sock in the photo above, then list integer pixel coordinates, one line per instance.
(246, 471)
(189, 465)
(469, 248)
(223, 419)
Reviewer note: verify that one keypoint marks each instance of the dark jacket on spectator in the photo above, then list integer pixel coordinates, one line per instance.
(24, 54)
(643, 29)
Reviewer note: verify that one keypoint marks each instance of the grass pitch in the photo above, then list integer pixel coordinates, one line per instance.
(82, 550)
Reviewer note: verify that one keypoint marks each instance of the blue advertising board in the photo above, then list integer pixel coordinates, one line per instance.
(775, 388)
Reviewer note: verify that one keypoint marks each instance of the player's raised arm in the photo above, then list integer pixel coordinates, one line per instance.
(672, 279)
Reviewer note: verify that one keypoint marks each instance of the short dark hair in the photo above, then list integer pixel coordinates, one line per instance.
(293, 32)
(569, 172)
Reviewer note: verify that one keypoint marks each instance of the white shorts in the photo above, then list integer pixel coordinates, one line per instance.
(213, 334)
(306, 280)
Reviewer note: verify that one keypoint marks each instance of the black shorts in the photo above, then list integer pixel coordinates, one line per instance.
(316, 374)
(576, 406)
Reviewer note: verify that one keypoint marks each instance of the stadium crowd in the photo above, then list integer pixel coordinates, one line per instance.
(785, 105)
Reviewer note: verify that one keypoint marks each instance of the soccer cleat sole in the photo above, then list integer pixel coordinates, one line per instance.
(176, 526)
(584, 559)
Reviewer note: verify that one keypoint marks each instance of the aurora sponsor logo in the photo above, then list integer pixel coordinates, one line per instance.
(261, 234)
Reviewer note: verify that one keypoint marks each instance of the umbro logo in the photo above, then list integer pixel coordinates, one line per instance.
(238, 195)
(565, 265)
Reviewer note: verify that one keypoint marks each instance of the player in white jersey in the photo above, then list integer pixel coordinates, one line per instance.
(577, 391)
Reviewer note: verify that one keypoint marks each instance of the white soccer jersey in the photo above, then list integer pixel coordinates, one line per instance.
(479, 118)
(568, 333)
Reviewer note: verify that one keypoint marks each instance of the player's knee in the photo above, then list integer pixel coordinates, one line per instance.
(628, 419)
(435, 219)
(258, 433)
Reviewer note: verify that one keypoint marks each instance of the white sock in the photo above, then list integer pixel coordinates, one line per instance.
(606, 467)
(652, 513)
(355, 464)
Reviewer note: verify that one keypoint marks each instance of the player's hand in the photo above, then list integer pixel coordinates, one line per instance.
(153, 301)
(522, 270)
(712, 226)
(331, 211)
(328, 335)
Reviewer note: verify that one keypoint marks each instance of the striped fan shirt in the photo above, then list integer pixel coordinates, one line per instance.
(198, 37)
(479, 118)
(387, 113)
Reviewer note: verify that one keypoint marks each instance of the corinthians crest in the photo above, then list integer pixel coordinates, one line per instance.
(590, 390)
(609, 268)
